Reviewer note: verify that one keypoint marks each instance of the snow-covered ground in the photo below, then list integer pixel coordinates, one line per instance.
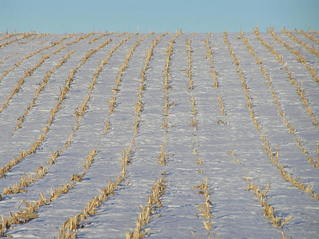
(224, 147)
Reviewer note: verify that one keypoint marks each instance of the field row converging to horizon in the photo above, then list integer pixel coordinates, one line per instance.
(171, 135)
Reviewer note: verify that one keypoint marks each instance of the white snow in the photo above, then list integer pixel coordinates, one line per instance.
(236, 212)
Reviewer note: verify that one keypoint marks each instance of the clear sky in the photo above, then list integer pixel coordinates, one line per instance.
(62, 16)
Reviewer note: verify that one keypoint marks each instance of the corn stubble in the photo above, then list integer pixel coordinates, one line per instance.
(273, 155)
(269, 211)
(309, 36)
(154, 200)
(36, 52)
(210, 59)
(41, 87)
(159, 186)
(276, 99)
(32, 38)
(31, 208)
(45, 130)
(30, 178)
(121, 72)
(163, 156)
(9, 35)
(290, 76)
(301, 59)
(23, 36)
(69, 228)
(205, 209)
(292, 36)
(214, 77)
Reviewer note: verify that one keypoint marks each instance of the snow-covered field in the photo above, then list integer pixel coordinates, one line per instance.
(119, 135)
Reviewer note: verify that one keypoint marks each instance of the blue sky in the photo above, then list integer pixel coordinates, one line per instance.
(62, 16)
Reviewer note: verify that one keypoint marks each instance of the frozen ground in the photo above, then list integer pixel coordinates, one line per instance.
(228, 145)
